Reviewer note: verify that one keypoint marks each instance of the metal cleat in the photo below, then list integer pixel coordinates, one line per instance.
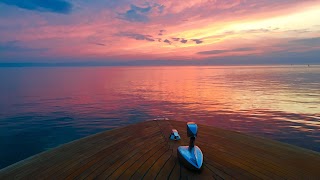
(191, 156)
(174, 135)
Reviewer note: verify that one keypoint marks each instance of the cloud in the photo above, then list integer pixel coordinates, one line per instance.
(55, 6)
(307, 57)
(16, 47)
(136, 36)
(99, 44)
(261, 30)
(266, 31)
(308, 41)
(141, 14)
(161, 32)
(242, 32)
(167, 41)
(136, 14)
(175, 39)
(159, 7)
(198, 41)
(183, 41)
(140, 9)
(226, 51)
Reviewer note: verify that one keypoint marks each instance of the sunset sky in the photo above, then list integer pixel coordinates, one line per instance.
(212, 31)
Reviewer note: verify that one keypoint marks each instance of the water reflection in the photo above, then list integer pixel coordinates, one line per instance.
(44, 107)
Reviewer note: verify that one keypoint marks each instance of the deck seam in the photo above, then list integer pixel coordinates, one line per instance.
(256, 160)
(145, 162)
(93, 155)
(248, 164)
(127, 152)
(163, 165)
(172, 169)
(154, 145)
(204, 164)
(144, 151)
(47, 155)
(154, 163)
(146, 159)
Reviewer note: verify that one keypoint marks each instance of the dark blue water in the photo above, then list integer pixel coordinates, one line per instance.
(41, 108)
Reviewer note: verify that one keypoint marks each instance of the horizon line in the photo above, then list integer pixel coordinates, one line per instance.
(137, 64)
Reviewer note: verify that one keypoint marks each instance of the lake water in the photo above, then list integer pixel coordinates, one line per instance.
(41, 108)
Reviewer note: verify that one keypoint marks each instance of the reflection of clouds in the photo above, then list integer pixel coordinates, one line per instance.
(80, 101)
(239, 101)
(245, 88)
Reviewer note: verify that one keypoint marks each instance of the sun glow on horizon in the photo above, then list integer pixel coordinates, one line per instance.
(161, 30)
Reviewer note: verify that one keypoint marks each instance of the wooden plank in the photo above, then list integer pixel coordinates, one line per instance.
(218, 173)
(93, 153)
(77, 166)
(51, 160)
(28, 163)
(266, 145)
(275, 165)
(133, 168)
(131, 161)
(250, 159)
(253, 156)
(205, 173)
(109, 170)
(144, 151)
(99, 160)
(234, 160)
(185, 141)
(157, 166)
(245, 157)
(141, 171)
(175, 173)
(109, 164)
(166, 170)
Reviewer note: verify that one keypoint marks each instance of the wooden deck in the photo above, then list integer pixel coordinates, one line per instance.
(144, 151)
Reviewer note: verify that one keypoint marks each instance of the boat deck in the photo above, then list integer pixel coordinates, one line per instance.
(144, 151)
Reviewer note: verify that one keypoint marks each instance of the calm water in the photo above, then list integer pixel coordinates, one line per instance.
(41, 108)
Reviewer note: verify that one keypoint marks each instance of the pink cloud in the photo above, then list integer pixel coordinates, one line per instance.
(149, 29)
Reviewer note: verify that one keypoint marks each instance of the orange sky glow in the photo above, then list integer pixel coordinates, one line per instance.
(152, 30)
